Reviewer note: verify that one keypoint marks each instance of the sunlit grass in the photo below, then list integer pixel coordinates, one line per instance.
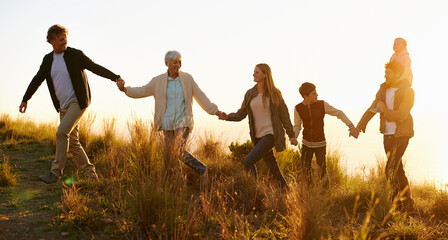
(145, 192)
(7, 177)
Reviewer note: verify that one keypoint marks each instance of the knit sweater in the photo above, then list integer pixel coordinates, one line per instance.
(157, 88)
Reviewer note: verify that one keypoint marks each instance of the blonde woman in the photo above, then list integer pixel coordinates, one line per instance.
(268, 120)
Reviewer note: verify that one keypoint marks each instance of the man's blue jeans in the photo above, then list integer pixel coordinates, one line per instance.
(263, 149)
(180, 136)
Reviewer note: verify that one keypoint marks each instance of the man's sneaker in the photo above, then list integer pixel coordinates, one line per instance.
(49, 178)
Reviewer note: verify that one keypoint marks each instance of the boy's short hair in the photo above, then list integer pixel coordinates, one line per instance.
(54, 31)
(306, 88)
(395, 66)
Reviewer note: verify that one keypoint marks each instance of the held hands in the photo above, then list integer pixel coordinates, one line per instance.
(120, 85)
(221, 115)
(354, 132)
(294, 141)
(22, 107)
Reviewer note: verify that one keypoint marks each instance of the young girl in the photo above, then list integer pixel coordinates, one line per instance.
(401, 55)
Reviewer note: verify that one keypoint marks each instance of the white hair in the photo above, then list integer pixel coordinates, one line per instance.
(170, 55)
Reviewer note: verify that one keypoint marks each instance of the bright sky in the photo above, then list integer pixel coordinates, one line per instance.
(341, 46)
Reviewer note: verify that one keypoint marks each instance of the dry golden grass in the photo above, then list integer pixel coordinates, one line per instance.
(7, 177)
(145, 192)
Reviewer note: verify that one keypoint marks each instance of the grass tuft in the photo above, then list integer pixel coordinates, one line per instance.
(7, 177)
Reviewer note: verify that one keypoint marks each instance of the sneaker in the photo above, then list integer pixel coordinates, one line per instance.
(49, 178)
(203, 179)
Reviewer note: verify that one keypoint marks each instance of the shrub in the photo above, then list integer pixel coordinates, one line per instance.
(7, 178)
(240, 151)
(209, 147)
(85, 129)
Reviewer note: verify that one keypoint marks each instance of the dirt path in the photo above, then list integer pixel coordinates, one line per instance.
(29, 209)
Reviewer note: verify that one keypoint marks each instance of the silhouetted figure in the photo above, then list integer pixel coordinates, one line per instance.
(268, 120)
(310, 114)
(173, 93)
(64, 70)
(401, 55)
(394, 101)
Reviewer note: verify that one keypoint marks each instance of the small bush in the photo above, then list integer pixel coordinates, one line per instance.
(209, 147)
(104, 142)
(85, 129)
(7, 178)
(440, 207)
(240, 151)
(78, 208)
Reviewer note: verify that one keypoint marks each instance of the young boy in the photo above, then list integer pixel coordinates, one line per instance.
(310, 113)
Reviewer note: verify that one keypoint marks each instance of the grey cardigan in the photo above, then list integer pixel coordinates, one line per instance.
(279, 117)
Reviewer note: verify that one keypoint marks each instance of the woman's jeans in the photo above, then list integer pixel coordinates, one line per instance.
(179, 138)
(263, 149)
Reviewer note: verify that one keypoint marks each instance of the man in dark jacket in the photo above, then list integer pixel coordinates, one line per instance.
(64, 70)
(394, 101)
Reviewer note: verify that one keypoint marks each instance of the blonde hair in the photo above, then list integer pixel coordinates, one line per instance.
(270, 89)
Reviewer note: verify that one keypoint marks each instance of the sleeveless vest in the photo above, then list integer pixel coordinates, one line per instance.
(313, 120)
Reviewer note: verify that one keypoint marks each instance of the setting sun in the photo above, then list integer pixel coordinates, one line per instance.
(127, 166)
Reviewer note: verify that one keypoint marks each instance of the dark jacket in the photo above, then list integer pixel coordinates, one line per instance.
(279, 117)
(401, 114)
(76, 62)
(313, 120)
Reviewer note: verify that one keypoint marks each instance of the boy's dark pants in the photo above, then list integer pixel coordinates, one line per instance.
(307, 157)
(395, 148)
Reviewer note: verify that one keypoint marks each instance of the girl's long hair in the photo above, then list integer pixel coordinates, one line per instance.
(270, 89)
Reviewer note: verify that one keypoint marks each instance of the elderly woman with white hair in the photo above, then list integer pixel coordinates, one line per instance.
(173, 93)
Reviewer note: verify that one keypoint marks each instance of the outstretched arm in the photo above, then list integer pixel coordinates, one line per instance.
(22, 107)
(138, 92)
(32, 88)
(330, 110)
(203, 100)
(362, 124)
(297, 123)
(98, 69)
(286, 122)
(239, 115)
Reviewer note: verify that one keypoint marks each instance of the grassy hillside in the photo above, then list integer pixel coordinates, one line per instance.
(145, 192)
